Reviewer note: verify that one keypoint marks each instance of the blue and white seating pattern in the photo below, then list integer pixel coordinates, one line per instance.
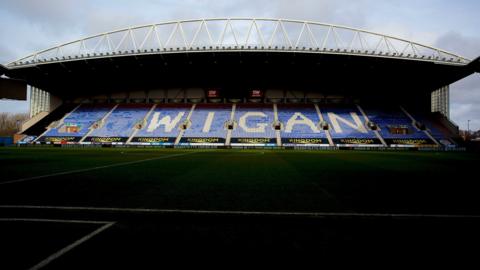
(121, 122)
(432, 128)
(386, 118)
(83, 118)
(346, 122)
(253, 124)
(165, 121)
(209, 121)
(299, 121)
(254, 121)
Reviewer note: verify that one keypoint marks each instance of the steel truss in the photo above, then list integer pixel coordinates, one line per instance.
(239, 34)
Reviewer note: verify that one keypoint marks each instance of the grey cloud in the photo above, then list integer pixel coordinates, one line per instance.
(465, 101)
(464, 94)
(98, 23)
(467, 89)
(465, 112)
(458, 43)
(5, 54)
(65, 18)
(51, 15)
(338, 12)
(44, 10)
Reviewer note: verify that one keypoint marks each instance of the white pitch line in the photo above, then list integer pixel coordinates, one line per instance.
(66, 249)
(91, 169)
(56, 220)
(237, 213)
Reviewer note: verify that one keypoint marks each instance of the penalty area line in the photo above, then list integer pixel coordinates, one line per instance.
(92, 168)
(66, 249)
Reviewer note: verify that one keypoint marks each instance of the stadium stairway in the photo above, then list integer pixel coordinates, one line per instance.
(229, 131)
(254, 125)
(300, 124)
(120, 124)
(440, 127)
(327, 132)
(42, 124)
(388, 119)
(207, 125)
(101, 122)
(143, 122)
(277, 132)
(414, 121)
(347, 126)
(163, 124)
(76, 123)
(186, 123)
(379, 136)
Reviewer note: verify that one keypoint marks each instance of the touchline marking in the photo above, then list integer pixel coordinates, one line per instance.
(92, 168)
(71, 246)
(56, 220)
(236, 213)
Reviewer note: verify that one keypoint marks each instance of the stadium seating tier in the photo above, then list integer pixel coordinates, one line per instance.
(252, 124)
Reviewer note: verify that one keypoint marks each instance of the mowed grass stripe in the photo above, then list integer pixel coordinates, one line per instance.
(225, 179)
(16, 163)
(92, 168)
(268, 180)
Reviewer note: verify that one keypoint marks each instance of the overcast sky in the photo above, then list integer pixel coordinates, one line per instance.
(32, 25)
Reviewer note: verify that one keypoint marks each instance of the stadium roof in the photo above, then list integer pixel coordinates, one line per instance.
(240, 34)
(244, 40)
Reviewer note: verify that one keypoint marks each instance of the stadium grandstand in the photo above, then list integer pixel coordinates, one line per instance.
(103, 176)
(240, 82)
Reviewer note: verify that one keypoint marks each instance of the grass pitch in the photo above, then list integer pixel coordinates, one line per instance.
(97, 183)
(242, 180)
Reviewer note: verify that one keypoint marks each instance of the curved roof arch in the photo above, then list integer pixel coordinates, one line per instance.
(239, 34)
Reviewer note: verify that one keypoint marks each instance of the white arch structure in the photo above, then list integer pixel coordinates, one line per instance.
(239, 34)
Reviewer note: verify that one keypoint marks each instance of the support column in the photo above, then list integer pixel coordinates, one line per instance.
(39, 101)
(441, 101)
(277, 132)
(229, 132)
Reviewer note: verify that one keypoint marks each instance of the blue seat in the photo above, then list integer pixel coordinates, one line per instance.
(351, 123)
(83, 118)
(258, 122)
(385, 118)
(121, 122)
(221, 115)
(165, 121)
(304, 121)
(430, 125)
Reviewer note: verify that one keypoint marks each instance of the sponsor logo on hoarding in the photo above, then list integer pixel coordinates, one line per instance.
(62, 139)
(358, 141)
(303, 140)
(203, 140)
(252, 140)
(106, 139)
(411, 141)
(154, 139)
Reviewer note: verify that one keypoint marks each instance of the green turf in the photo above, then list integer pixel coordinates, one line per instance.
(254, 180)
(251, 180)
